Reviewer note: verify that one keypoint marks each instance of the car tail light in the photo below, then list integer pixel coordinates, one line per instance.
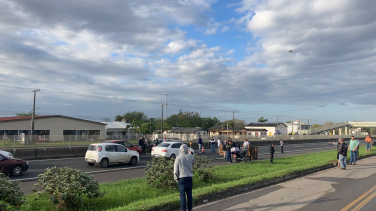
(99, 148)
(165, 150)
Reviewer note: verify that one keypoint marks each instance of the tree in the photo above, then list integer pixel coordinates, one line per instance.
(316, 126)
(145, 128)
(26, 114)
(262, 119)
(237, 123)
(328, 123)
(137, 116)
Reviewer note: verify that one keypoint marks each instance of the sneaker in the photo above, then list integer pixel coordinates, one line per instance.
(354, 164)
(342, 169)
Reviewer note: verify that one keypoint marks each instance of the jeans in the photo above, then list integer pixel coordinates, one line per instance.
(282, 149)
(199, 148)
(342, 161)
(212, 148)
(353, 157)
(229, 156)
(185, 185)
(271, 157)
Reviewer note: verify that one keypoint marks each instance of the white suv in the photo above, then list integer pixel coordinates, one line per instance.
(107, 153)
(168, 149)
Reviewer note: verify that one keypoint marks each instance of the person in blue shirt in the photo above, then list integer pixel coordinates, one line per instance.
(199, 144)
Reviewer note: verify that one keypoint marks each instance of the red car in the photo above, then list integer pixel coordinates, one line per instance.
(126, 144)
(12, 166)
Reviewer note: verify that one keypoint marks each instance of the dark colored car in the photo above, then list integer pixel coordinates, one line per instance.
(126, 144)
(12, 166)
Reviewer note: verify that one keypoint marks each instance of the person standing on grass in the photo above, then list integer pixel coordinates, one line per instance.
(183, 175)
(353, 145)
(212, 144)
(272, 153)
(228, 149)
(281, 143)
(342, 152)
(368, 144)
(199, 141)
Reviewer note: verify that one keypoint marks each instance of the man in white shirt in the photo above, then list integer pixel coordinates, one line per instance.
(212, 145)
(219, 143)
(281, 143)
(245, 148)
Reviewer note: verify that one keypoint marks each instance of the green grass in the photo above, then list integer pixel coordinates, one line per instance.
(135, 194)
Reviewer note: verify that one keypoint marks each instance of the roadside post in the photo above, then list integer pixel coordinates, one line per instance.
(14, 142)
(70, 140)
(44, 142)
(3, 143)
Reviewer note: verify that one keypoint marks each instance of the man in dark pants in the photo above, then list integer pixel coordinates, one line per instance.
(281, 143)
(183, 175)
(141, 144)
(272, 153)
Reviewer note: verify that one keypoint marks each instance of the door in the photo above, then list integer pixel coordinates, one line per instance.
(175, 148)
(111, 154)
(123, 155)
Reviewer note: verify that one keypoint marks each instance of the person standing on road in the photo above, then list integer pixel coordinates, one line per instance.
(245, 149)
(338, 145)
(212, 144)
(228, 149)
(199, 141)
(272, 153)
(342, 152)
(141, 144)
(281, 143)
(224, 149)
(183, 175)
(219, 144)
(353, 145)
(368, 144)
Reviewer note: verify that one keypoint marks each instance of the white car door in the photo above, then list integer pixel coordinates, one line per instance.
(111, 154)
(123, 154)
(175, 148)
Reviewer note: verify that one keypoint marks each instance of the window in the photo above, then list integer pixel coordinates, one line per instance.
(8, 132)
(126, 144)
(198, 133)
(121, 149)
(241, 133)
(92, 148)
(176, 145)
(110, 148)
(204, 133)
(164, 145)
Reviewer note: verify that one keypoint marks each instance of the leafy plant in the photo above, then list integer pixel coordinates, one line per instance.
(201, 170)
(11, 196)
(66, 187)
(160, 173)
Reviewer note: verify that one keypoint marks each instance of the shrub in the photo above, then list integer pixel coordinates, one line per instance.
(11, 196)
(66, 187)
(160, 173)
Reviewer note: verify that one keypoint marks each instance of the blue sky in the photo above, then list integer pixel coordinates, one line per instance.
(213, 57)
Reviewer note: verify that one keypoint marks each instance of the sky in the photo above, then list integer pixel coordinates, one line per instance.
(95, 59)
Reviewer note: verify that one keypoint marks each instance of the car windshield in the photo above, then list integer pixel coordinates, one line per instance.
(163, 145)
(92, 148)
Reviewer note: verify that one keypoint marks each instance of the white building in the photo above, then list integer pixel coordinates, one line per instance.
(297, 127)
(116, 129)
(272, 128)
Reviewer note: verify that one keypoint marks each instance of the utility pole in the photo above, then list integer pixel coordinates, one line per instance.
(227, 131)
(166, 106)
(162, 123)
(233, 125)
(33, 114)
(277, 130)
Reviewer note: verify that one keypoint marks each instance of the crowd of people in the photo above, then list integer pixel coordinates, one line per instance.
(343, 149)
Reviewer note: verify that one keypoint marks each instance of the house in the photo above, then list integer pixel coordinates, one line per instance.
(297, 127)
(222, 131)
(55, 127)
(257, 133)
(271, 128)
(117, 129)
(189, 133)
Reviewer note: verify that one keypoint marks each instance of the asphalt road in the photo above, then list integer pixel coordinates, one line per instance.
(126, 171)
(333, 189)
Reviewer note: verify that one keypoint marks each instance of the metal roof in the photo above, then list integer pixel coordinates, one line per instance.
(264, 124)
(187, 129)
(116, 125)
(20, 118)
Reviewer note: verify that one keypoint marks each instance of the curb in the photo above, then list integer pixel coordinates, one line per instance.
(233, 191)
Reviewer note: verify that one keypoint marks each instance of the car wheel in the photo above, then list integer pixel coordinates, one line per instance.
(133, 161)
(90, 164)
(16, 171)
(172, 156)
(104, 163)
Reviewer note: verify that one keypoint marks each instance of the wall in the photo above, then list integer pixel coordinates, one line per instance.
(53, 152)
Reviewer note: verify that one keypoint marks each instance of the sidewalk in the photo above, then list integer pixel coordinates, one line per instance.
(331, 189)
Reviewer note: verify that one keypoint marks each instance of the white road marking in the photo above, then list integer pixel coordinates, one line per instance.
(56, 159)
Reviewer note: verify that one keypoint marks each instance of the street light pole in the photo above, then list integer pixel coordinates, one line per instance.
(166, 106)
(33, 114)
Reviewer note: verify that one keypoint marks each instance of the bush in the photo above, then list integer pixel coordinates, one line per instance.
(11, 196)
(66, 187)
(160, 173)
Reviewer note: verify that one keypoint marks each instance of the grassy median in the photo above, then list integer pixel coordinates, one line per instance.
(135, 194)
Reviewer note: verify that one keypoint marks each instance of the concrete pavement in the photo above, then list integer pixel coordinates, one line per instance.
(333, 189)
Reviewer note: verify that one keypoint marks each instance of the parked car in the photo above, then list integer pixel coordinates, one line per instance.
(6, 154)
(110, 153)
(126, 144)
(168, 149)
(12, 166)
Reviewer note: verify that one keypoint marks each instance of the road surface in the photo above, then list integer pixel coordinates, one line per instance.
(125, 171)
